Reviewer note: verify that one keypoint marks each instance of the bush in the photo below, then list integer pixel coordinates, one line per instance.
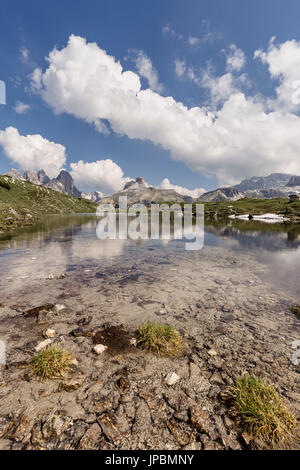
(261, 410)
(159, 339)
(4, 184)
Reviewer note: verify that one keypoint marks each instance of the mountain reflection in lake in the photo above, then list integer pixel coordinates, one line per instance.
(64, 243)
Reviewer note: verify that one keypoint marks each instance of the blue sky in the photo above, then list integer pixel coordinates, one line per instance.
(197, 35)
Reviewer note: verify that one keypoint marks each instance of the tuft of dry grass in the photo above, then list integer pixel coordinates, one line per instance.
(51, 363)
(159, 339)
(261, 410)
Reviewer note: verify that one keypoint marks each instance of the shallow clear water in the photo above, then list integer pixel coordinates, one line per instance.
(61, 244)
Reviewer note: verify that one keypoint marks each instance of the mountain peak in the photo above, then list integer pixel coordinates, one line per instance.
(32, 177)
(67, 182)
(43, 177)
(15, 174)
(135, 184)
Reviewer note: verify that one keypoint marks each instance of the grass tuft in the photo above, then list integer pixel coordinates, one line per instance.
(51, 363)
(296, 310)
(159, 339)
(261, 410)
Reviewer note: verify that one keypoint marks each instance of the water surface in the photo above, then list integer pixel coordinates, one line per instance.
(61, 244)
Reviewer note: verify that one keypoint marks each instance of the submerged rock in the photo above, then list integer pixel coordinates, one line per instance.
(90, 440)
(172, 379)
(34, 312)
(99, 348)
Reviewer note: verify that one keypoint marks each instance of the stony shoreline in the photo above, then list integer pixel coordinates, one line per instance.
(231, 324)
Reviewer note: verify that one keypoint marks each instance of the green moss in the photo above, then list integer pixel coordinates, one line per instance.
(261, 410)
(159, 339)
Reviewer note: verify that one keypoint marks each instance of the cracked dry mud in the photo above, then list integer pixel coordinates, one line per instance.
(231, 322)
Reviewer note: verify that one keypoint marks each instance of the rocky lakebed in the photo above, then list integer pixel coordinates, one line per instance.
(233, 320)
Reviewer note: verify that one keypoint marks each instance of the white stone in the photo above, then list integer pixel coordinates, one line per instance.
(51, 277)
(99, 348)
(172, 378)
(49, 333)
(212, 352)
(133, 342)
(59, 307)
(43, 345)
(74, 362)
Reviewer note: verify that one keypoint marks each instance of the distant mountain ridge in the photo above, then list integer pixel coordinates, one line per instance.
(258, 187)
(272, 181)
(137, 191)
(63, 183)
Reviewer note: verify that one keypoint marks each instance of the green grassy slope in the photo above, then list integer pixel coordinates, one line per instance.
(23, 203)
(279, 206)
(257, 206)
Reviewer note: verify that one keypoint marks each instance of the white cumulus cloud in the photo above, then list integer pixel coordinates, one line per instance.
(283, 61)
(102, 175)
(194, 193)
(32, 152)
(241, 138)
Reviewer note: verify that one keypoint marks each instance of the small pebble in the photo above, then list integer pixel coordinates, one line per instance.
(59, 307)
(172, 378)
(212, 352)
(99, 348)
(49, 333)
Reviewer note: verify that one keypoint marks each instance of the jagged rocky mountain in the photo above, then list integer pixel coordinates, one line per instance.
(262, 187)
(63, 182)
(222, 194)
(138, 192)
(95, 196)
(273, 181)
